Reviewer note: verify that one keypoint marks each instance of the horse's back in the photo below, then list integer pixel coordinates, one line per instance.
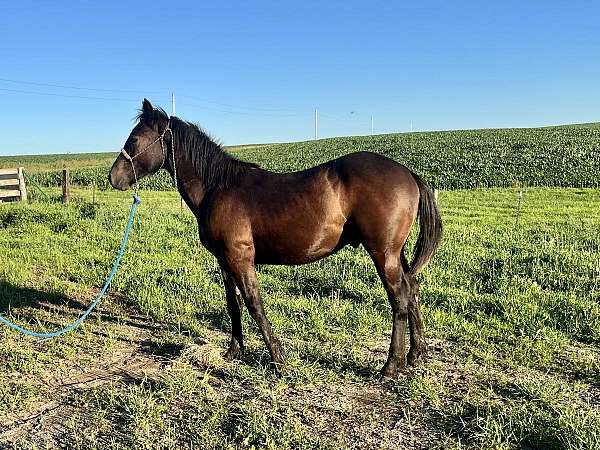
(370, 177)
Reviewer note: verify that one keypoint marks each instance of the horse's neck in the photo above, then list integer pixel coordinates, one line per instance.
(192, 192)
(188, 182)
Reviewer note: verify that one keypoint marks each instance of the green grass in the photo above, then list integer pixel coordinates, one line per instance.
(512, 312)
(566, 156)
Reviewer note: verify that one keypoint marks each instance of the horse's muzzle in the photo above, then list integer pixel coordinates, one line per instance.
(118, 182)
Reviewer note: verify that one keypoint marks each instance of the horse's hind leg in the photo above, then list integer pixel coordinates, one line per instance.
(397, 288)
(235, 303)
(418, 344)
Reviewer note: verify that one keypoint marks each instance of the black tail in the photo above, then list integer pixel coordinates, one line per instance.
(430, 227)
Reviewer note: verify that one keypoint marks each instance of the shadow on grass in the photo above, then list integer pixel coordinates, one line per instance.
(26, 301)
(12, 296)
(215, 319)
(35, 304)
(343, 365)
(166, 350)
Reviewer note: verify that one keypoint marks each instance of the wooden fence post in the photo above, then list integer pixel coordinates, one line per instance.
(66, 185)
(435, 195)
(22, 186)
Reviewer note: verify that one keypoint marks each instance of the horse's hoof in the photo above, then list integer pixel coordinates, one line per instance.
(391, 370)
(415, 355)
(413, 358)
(277, 353)
(278, 358)
(277, 368)
(233, 354)
(388, 375)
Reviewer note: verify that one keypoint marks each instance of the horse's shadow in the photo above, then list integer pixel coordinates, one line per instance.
(12, 296)
(26, 301)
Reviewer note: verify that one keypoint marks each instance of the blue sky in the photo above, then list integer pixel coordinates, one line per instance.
(255, 71)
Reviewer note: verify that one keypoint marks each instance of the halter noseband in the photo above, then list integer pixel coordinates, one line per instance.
(160, 139)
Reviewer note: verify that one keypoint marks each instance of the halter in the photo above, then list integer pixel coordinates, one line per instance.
(160, 139)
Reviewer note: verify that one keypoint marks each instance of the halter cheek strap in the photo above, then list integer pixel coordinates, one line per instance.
(126, 155)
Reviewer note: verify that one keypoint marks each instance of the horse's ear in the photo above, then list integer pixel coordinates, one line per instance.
(147, 108)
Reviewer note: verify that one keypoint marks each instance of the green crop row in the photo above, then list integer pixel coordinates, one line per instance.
(567, 156)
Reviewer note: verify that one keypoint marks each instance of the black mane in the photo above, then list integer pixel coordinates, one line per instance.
(211, 163)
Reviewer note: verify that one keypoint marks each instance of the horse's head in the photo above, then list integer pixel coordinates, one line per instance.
(145, 150)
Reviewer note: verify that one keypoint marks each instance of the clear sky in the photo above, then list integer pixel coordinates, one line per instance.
(72, 74)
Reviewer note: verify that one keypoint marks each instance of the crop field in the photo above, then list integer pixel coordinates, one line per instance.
(511, 304)
(565, 156)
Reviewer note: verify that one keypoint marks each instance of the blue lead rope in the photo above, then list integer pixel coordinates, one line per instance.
(115, 266)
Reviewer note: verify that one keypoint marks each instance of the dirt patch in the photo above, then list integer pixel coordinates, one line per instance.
(136, 354)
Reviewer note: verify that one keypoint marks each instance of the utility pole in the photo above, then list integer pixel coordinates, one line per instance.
(172, 103)
(316, 124)
(371, 124)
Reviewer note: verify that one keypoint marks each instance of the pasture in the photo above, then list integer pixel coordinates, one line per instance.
(511, 304)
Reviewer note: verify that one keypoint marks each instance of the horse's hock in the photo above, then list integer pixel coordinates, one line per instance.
(12, 185)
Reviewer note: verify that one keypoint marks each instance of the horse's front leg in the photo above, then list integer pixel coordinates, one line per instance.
(234, 308)
(240, 264)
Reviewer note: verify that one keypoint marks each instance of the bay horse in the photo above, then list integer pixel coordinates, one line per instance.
(248, 215)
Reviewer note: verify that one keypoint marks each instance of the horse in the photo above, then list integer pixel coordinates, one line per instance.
(248, 216)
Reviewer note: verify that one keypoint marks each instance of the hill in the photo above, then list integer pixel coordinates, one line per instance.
(567, 155)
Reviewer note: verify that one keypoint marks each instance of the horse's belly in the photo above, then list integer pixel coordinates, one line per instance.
(300, 245)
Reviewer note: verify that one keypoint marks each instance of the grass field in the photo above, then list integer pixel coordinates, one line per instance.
(511, 304)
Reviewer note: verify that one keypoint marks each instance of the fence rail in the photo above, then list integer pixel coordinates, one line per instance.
(9, 180)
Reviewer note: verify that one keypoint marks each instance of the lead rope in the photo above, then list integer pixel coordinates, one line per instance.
(76, 323)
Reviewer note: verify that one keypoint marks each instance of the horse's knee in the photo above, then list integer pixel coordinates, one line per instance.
(411, 285)
(407, 295)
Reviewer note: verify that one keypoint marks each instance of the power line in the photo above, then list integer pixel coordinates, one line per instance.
(120, 99)
(226, 108)
(56, 94)
(243, 113)
(253, 111)
(63, 86)
(252, 108)
(352, 117)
